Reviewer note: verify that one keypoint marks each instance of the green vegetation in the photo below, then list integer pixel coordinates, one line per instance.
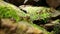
(38, 13)
(33, 13)
(10, 11)
(57, 29)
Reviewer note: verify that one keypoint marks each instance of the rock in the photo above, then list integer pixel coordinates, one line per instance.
(7, 23)
(34, 31)
(2, 31)
(28, 29)
(10, 11)
(49, 27)
(8, 26)
(53, 3)
(56, 29)
(38, 13)
(18, 27)
(56, 21)
(25, 27)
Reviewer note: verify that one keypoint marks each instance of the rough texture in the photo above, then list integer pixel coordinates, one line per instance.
(38, 13)
(21, 27)
(21, 21)
(53, 3)
(10, 11)
(9, 26)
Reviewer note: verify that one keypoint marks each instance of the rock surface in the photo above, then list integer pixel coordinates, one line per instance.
(53, 3)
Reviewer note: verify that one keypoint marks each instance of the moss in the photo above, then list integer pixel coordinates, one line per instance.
(37, 13)
(10, 11)
(57, 29)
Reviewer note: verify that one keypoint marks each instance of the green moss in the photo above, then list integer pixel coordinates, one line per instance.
(10, 11)
(40, 28)
(38, 13)
(57, 29)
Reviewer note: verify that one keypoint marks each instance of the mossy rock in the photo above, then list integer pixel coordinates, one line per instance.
(10, 11)
(32, 28)
(38, 13)
(23, 27)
